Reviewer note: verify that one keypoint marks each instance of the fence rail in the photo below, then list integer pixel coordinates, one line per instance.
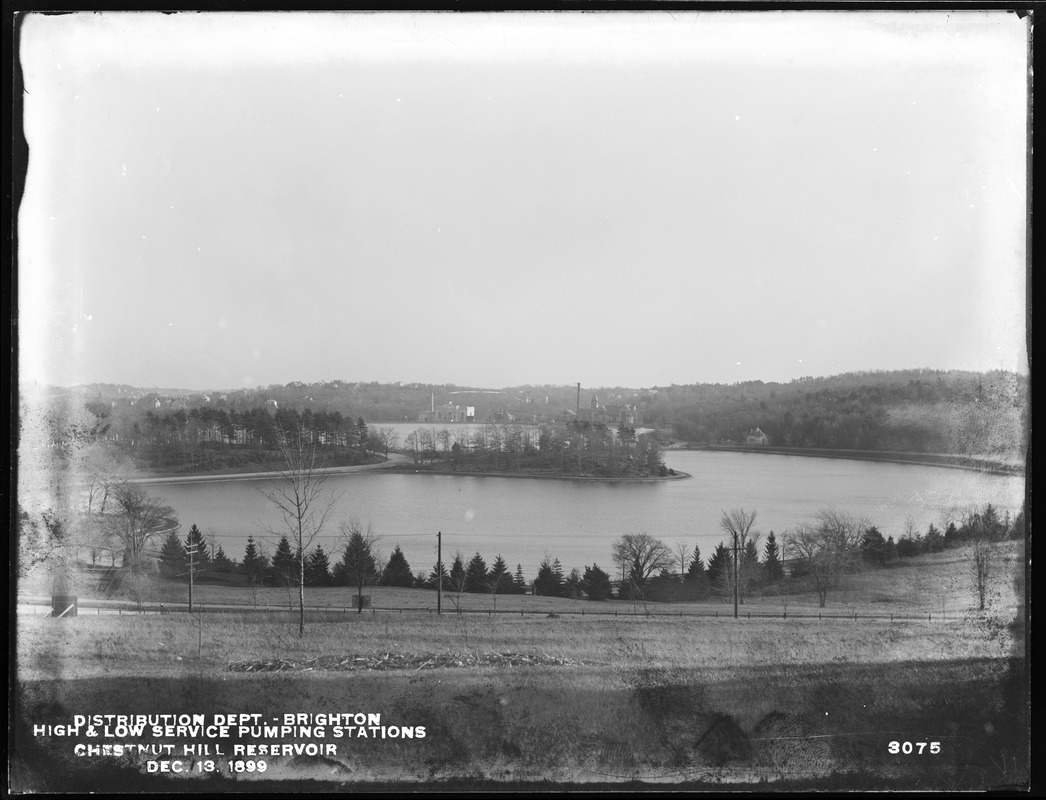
(100, 607)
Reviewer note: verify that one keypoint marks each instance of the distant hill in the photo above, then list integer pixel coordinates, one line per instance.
(946, 411)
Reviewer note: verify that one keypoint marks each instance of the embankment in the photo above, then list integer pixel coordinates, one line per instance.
(807, 725)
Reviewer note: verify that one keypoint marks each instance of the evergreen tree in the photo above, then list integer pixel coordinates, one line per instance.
(397, 571)
(547, 583)
(696, 567)
(519, 583)
(873, 546)
(254, 565)
(202, 558)
(172, 556)
(934, 539)
(284, 565)
(499, 580)
(719, 567)
(476, 574)
(596, 583)
(357, 566)
(751, 571)
(773, 569)
(458, 579)
(317, 567)
(891, 549)
(951, 535)
(433, 580)
(557, 571)
(221, 562)
(361, 434)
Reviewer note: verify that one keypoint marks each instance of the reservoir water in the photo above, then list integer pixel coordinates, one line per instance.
(576, 522)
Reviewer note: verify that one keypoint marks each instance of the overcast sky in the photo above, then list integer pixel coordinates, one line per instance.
(636, 199)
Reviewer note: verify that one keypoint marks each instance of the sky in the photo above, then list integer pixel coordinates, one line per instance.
(219, 201)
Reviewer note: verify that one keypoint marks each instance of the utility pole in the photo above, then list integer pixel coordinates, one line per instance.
(190, 550)
(439, 573)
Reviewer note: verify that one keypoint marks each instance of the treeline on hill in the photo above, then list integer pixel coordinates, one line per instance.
(928, 411)
(924, 411)
(212, 438)
(579, 447)
(649, 569)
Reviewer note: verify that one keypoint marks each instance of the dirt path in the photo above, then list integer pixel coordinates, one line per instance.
(394, 460)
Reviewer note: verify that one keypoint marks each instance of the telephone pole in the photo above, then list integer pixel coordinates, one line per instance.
(190, 551)
(439, 573)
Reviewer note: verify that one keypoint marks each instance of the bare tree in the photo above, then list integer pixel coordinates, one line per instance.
(829, 547)
(298, 491)
(639, 555)
(136, 519)
(389, 438)
(985, 531)
(682, 552)
(737, 524)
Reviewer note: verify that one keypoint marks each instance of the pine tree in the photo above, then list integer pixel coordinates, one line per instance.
(221, 562)
(697, 566)
(397, 571)
(172, 556)
(202, 557)
(254, 565)
(891, 548)
(476, 574)
(547, 583)
(557, 572)
(284, 564)
(499, 580)
(596, 583)
(433, 581)
(519, 583)
(317, 567)
(457, 574)
(361, 434)
(773, 569)
(719, 567)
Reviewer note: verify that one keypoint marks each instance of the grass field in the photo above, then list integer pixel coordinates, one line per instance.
(688, 702)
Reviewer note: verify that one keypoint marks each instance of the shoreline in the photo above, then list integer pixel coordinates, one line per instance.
(678, 475)
(400, 463)
(945, 460)
(397, 466)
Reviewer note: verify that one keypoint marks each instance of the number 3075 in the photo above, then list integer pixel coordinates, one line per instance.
(907, 748)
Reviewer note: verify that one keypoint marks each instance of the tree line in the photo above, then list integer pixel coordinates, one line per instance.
(814, 556)
(911, 411)
(578, 447)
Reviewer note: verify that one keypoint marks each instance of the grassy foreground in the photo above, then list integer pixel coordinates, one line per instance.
(655, 701)
(538, 701)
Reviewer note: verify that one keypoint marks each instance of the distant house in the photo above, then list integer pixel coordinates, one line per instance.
(756, 436)
(630, 416)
